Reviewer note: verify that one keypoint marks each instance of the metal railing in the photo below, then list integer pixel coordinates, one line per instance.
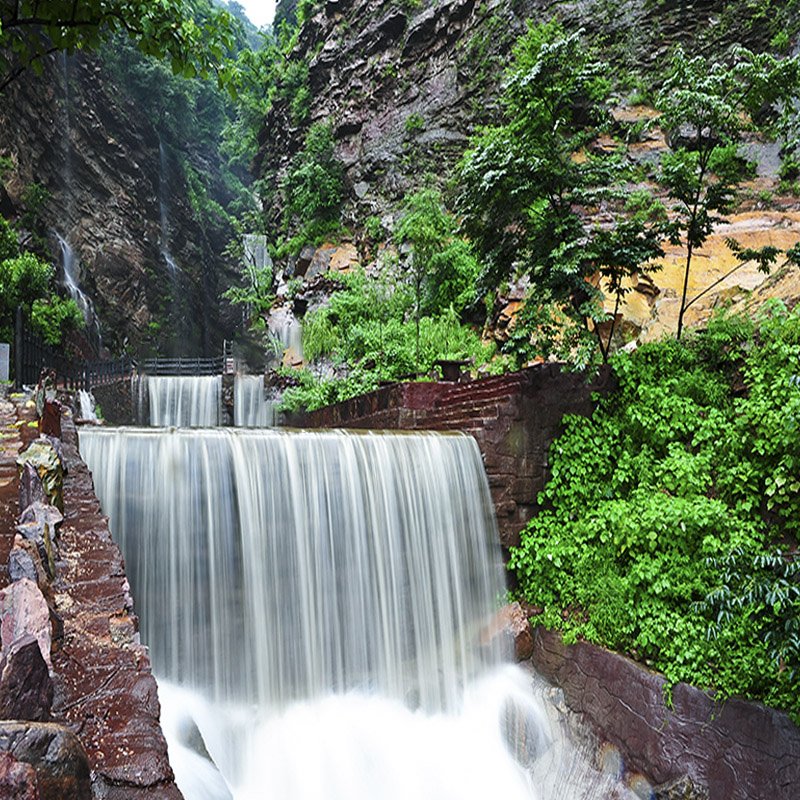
(183, 366)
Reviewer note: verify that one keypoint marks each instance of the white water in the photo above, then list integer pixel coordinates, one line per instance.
(313, 603)
(250, 409)
(86, 406)
(180, 400)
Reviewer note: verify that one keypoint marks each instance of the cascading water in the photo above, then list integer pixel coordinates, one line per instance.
(320, 597)
(250, 409)
(86, 409)
(69, 268)
(163, 168)
(181, 400)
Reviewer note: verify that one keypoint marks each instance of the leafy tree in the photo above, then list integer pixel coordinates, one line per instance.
(526, 187)
(313, 186)
(705, 107)
(30, 30)
(53, 317)
(444, 267)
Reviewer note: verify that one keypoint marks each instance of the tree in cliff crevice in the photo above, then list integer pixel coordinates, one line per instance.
(530, 188)
(195, 44)
(705, 108)
(312, 189)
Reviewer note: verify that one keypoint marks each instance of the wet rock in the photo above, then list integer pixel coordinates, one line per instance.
(37, 524)
(55, 753)
(17, 779)
(26, 689)
(512, 626)
(682, 788)
(42, 455)
(31, 489)
(21, 565)
(50, 423)
(23, 610)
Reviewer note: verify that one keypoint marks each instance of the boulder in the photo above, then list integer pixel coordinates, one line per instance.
(50, 423)
(23, 610)
(42, 455)
(31, 489)
(37, 524)
(17, 779)
(55, 753)
(21, 565)
(26, 688)
(511, 627)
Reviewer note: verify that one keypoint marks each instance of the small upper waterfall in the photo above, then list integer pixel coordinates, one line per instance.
(181, 400)
(250, 408)
(163, 185)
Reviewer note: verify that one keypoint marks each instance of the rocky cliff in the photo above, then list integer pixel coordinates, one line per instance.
(404, 84)
(120, 205)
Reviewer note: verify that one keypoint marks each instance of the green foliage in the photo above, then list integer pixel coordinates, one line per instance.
(53, 317)
(524, 184)
(365, 337)
(415, 123)
(705, 108)
(9, 244)
(23, 279)
(193, 44)
(313, 186)
(662, 507)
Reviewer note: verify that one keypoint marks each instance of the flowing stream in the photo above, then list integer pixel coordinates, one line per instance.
(315, 606)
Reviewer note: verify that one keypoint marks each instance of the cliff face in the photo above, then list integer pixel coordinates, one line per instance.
(118, 200)
(403, 84)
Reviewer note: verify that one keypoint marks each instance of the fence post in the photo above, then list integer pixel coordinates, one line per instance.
(18, 349)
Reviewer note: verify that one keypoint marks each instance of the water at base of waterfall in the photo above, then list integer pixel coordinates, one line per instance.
(507, 741)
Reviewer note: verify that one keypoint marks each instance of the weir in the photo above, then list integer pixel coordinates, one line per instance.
(250, 409)
(179, 400)
(316, 604)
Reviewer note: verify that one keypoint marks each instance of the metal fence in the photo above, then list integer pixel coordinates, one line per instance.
(183, 366)
(32, 354)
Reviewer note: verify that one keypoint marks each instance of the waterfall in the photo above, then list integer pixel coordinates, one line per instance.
(184, 400)
(314, 603)
(163, 178)
(250, 409)
(86, 406)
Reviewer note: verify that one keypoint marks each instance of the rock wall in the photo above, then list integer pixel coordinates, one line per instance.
(75, 134)
(514, 418)
(735, 750)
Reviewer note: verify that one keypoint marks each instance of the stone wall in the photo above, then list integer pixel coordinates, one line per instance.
(734, 750)
(514, 418)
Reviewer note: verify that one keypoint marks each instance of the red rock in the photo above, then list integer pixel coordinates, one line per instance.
(26, 689)
(23, 609)
(17, 779)
(512, 627)
(56, 755)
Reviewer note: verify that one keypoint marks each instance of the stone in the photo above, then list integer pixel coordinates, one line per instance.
(26, 688)
(55, 753)
(37, 524)
(17, 779)
(42, 455)
(21, 565)
(682, 788)
(23, 610)
(31, 489)
(50, 423)
(511, 627)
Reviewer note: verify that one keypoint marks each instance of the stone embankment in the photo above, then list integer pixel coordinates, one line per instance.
(74, 679)
(514, 418)
(665, 743)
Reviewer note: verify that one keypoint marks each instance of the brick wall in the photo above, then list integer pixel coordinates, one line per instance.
(514, 418)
